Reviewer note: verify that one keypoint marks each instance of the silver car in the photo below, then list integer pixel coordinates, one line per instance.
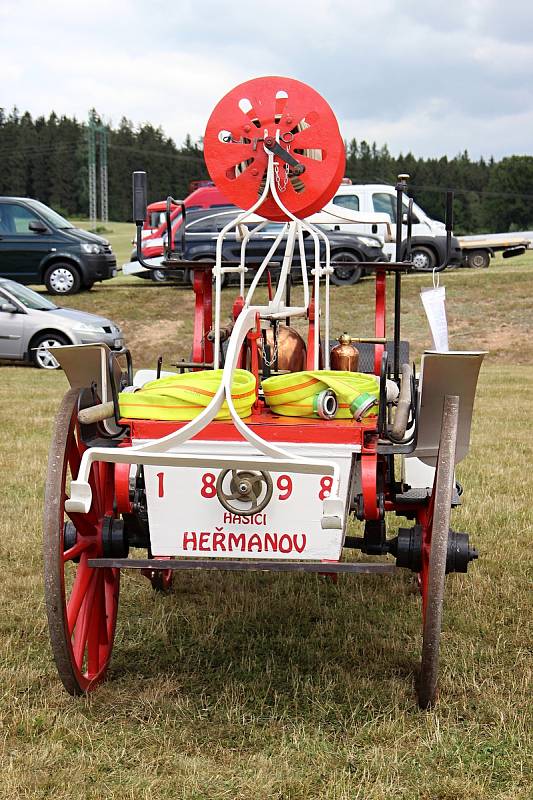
(30, 324)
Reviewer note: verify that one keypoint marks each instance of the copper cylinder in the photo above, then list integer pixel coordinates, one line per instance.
(291, 349)
(344, 356)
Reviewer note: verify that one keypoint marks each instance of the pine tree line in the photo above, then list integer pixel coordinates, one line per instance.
(47, 159)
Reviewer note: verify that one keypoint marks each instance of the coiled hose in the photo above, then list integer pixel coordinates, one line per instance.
(295, 394)
(183, 397)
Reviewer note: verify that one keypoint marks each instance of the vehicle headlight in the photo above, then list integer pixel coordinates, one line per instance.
(369, 241)
(84, 326)
(92, 249)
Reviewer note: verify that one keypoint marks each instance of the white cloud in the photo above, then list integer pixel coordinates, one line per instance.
(423, 77)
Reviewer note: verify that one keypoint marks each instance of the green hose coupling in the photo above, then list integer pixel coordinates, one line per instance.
(362, 404)
(325, 404)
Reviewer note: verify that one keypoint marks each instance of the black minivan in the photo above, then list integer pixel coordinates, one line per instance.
(37, 245)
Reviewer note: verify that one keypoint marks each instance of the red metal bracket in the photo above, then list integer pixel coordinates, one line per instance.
(369, 477)
(202, 348)
(380, 319)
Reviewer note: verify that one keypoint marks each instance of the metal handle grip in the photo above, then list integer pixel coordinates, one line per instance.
(404, 404)
(88, 416)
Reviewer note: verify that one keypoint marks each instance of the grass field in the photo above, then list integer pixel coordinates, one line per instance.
(273, 686)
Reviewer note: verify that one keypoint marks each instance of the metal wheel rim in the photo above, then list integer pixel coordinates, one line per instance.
(159, 276)
(82, 647)
(44, 357)
(434, 566)
(478, 261)
(61, 280)
(421, 261)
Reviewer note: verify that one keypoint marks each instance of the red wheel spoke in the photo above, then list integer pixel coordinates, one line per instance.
(77, 549)
(74, 458)
(79, 590)
(84, 523)
(94, 637)
(81, 631)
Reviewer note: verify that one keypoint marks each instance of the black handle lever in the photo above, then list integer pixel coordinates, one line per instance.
(278, 150)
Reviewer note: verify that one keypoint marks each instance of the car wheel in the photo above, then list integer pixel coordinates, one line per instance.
(87, 286)
(346, 274)
(160, 276)
(478, 259)
(40, 353)
(62, 278)
(424, 259)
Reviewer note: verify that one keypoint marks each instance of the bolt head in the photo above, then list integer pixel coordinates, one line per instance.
(247, 129)
(255, 172)
(288, 120)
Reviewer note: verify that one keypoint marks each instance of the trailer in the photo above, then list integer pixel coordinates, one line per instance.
(478, 250)
(279, 446)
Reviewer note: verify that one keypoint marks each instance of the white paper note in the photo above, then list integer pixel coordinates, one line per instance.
(434, 302)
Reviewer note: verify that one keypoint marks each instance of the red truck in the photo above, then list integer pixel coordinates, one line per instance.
(206, 195)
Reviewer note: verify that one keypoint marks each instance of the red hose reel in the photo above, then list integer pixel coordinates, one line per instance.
(297, 124)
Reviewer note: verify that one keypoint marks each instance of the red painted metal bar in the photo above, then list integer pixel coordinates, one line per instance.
(198, 329)
(207, 290)
(380, 319)
(369, 477)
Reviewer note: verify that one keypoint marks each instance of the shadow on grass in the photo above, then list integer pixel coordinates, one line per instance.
(289, 639)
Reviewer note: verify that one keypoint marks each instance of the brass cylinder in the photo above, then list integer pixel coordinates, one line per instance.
(344, 356)
(291, 349)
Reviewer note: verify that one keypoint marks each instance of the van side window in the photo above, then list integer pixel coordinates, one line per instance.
(21, 218)
(350, 201)
(384, 203)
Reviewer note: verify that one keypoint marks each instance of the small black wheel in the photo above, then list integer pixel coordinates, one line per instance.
(40, 353)
(479, 259)
(62, 278)
(345, 274)
(423, 258)
(160, 276)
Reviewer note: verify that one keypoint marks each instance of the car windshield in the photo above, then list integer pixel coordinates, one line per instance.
(27, 297)
(55, 220)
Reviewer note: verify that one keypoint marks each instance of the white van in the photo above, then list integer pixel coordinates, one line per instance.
(428, 235)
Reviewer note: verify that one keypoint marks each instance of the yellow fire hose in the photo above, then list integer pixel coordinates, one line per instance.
(183, 397)
(305, 394)
(325, 394)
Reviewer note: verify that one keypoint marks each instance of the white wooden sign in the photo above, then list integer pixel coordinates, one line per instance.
(187, 519)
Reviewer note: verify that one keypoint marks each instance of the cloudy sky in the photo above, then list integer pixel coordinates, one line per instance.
(422, 75)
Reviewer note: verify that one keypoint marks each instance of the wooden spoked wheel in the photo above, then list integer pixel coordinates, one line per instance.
(81, 602)
(435, 531)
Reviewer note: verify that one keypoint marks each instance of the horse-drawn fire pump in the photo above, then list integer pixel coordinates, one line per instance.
(257, 452)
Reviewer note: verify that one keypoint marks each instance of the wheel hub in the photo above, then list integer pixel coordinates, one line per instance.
(114, 538)
(44, 356)
(61, 280)
(407, 547)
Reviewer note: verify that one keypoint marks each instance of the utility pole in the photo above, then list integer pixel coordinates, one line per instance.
(91, 150)
(97, 133)
(104, 203)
